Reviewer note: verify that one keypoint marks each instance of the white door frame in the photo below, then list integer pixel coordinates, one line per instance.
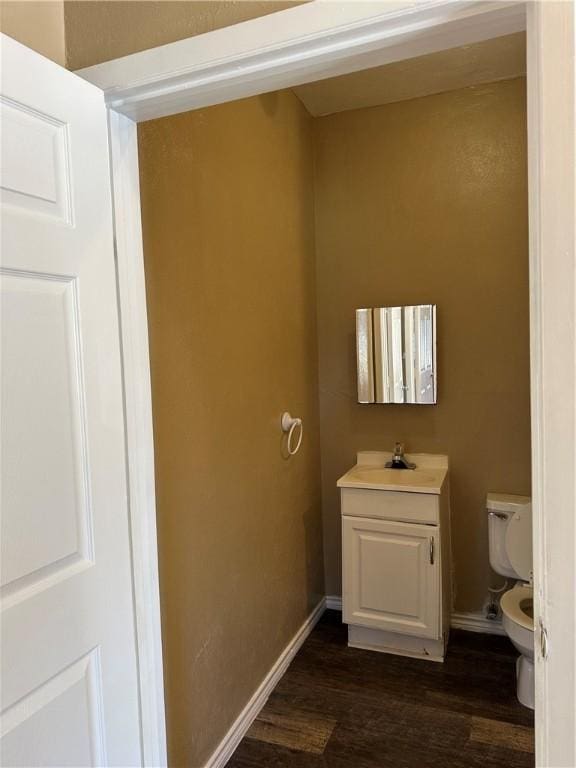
(318, 40)
(139, 433)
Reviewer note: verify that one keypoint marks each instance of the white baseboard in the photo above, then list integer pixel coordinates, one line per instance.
(471, 622)
(250, 712)
(477, 622)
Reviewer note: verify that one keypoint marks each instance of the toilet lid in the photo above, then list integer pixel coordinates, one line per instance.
(519, 543)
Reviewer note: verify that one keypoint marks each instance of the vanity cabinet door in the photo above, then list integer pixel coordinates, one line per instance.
(391, 576)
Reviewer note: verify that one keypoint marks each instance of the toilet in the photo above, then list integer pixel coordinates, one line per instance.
(510, 546)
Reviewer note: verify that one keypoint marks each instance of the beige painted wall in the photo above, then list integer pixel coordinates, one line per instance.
(227, 196)
(426, 201)
(39, 25)
(79, 33)
(99, 30)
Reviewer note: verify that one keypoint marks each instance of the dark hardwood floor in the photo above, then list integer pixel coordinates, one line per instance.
(340, 707)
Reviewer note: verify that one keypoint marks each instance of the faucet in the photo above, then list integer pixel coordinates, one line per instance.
(399, 461)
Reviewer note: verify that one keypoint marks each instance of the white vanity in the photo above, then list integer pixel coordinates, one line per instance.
(396, 571)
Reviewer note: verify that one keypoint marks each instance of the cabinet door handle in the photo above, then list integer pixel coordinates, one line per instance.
(432, 550)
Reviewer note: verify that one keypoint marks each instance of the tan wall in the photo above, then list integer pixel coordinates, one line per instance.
(227, 195)
(426, 201)
(99, 30)
(39, 25)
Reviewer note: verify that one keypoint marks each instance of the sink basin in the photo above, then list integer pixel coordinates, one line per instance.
(428, 477)
(386, 476)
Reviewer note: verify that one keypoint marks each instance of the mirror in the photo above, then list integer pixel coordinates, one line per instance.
(396, 354)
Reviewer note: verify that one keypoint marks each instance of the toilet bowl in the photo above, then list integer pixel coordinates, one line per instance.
(518, 620)
(510, 546)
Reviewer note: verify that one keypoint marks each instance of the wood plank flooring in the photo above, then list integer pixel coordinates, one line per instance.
(339, 707)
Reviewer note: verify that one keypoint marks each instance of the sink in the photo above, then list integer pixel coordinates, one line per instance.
(386, 476)
(371, 472)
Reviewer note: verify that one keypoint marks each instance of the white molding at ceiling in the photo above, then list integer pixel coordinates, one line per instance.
(311, 42)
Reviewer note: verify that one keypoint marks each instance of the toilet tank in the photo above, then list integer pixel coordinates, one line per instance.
(501, 507)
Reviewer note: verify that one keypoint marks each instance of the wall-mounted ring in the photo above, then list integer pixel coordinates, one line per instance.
(289, 425)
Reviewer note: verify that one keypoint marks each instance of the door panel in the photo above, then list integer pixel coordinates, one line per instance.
(35, 161)
(69, 673)
(391, 576)
(40, 332)
(34, 733)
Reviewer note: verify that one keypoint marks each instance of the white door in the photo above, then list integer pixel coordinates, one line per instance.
(391, 576)
(69, 677)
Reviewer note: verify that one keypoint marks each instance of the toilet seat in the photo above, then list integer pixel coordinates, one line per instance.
(513, 604)
(517, 605)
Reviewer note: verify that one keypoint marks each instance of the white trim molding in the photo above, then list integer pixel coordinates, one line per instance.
(139, 438)
(471, 622)
(252, 709)
(314, 41)
(476, 622)
(334, 602)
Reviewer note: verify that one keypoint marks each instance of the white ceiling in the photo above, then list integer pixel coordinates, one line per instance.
(500, 58)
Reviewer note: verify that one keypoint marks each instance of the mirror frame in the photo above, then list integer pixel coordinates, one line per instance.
(372, 348)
